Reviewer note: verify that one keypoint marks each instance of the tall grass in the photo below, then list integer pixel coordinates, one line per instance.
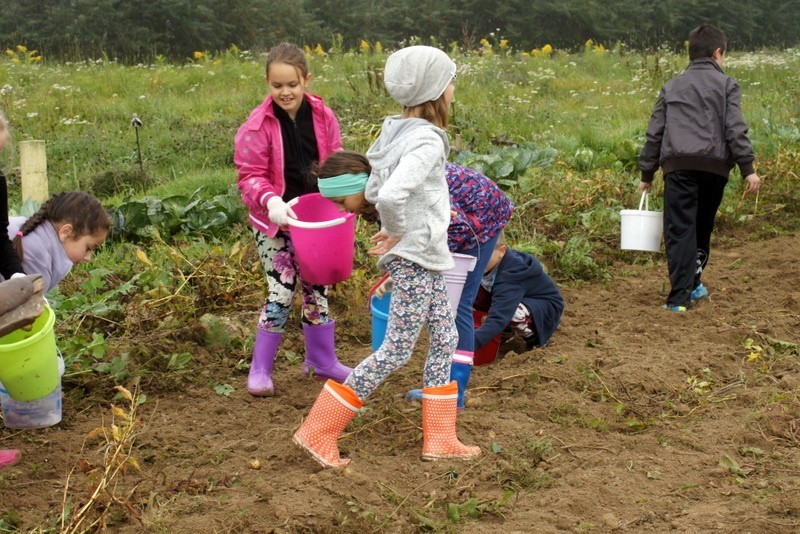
(595, 100)
(591, 108)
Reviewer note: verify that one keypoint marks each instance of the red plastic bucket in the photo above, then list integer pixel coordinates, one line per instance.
(488, 353)
(323, 239)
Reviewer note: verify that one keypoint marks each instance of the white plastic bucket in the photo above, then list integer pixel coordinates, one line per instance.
(641, 229)
(39, 413)
(456, 277)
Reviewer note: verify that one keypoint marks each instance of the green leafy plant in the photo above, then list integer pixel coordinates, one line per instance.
(193, 214)
(507, 165)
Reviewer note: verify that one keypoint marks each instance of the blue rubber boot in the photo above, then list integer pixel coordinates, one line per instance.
(460, 372)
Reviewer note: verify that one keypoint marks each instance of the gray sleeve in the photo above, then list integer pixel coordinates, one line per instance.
(651, 151)
(736, 130)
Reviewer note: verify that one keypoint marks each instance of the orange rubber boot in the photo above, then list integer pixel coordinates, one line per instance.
(333, 410)
(439, 438)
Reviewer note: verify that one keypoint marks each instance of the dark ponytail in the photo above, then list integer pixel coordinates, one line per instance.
(81, 210)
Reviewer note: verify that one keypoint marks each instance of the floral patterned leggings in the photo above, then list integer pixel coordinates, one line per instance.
(419, 297)
(280, 267)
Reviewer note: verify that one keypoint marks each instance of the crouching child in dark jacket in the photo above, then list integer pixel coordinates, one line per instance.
(516, 293)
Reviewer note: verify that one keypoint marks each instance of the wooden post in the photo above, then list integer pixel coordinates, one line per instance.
(33, 171)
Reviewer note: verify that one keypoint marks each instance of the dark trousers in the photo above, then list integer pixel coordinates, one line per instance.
(691, 201)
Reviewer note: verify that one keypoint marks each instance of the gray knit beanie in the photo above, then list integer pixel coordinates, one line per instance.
(418, 74)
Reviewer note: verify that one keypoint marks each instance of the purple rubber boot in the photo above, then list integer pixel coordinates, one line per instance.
(259, 381)
(321, 353)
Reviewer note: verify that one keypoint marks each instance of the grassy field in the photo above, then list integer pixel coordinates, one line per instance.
(560, 132)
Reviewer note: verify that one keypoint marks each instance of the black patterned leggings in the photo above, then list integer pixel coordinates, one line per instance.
(280, 267)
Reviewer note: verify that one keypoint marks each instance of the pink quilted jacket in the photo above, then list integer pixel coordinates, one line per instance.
(258, 155)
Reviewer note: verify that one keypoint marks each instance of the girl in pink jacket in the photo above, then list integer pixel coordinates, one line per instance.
(275, 149)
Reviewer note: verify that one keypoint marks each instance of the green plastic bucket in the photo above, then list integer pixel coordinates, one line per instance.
(29, 360)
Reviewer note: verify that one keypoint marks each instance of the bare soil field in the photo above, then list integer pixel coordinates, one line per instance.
(634, 419)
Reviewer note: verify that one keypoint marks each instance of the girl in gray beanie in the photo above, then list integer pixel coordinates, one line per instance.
(407, 185)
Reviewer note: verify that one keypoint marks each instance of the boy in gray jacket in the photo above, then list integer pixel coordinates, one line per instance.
(696, 135)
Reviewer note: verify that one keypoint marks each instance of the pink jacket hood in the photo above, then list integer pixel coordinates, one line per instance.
(258, 155)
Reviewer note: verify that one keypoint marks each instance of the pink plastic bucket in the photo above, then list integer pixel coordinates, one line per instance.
(323, 239)
(456, 277)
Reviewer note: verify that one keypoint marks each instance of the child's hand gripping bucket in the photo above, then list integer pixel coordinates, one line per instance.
(323, 239)
(29, 360)
(456, 277)
(641, 229)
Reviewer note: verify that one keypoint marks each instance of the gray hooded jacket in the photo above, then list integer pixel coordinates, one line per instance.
(409, 190)
(697, 125)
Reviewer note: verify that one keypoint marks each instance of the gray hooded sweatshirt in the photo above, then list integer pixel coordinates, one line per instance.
(409, 190)
(43, 252)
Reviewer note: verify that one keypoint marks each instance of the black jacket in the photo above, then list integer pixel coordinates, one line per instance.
(697, 125)
(9, 262)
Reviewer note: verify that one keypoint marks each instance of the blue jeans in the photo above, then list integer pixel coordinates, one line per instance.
(464, 323)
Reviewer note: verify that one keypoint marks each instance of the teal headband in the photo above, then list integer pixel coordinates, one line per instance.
(343, 185)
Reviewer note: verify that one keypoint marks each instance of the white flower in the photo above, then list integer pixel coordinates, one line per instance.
(73, 120)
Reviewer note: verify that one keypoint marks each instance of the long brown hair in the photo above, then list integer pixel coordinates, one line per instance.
(348, 162)
(79, 209)
(433, 111)
(343, 162)
(290, 54)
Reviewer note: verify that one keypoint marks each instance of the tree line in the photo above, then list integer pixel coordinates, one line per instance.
(138, 30)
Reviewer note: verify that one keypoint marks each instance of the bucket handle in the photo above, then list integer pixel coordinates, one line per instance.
(644, 200)
(375, 286)
(313, 225)
(316, 225)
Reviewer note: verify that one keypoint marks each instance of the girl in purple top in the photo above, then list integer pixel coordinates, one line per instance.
(65, 231)
(479, 210)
